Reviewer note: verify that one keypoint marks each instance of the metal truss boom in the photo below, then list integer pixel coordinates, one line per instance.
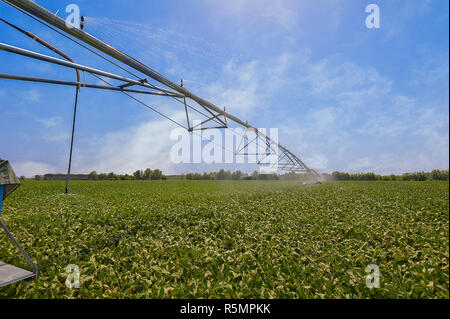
(77, 84)
(52, 19)
(46, 58)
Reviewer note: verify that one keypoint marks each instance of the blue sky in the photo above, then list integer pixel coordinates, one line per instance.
(344, 97)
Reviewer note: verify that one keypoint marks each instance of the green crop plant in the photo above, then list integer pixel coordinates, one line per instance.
(233, 239)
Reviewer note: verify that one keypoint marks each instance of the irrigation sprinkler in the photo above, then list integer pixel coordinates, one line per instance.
(288, 161)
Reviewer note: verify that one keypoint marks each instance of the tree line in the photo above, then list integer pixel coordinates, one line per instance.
(439, 175)
(157, 174)
(442, 175)
(146, 174)
(228, 175)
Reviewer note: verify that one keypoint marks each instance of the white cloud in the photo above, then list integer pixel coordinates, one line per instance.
(359, 123)
(54, 129)
(257, 11)
(400, 20)
(318, 161)
(346, 83)
(33, 95)
(432, 74)
(244, 88)
(49, 122)
(129, 149)
(31, 168)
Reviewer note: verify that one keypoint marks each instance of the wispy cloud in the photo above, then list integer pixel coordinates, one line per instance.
(33, 95)
(359, 123)
(256, 11)
(31, 168)
(245, 87)
(145, 145)
(54, 129)
(398, 20)
(433, 73)
(49, 122)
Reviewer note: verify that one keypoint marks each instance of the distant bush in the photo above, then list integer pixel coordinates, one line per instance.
(138, 175)
(148, 174)
(441, 175)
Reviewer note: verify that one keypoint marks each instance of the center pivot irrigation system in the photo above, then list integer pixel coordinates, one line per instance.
(287, 160)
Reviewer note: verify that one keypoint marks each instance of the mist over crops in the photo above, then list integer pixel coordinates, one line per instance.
(231, 239)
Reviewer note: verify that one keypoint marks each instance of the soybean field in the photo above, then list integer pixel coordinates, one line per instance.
(231, 239)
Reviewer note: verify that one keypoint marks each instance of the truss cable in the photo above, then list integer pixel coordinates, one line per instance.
(141, 102)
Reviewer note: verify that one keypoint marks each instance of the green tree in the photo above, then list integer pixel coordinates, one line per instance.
(236, 175)
(156, 174)
(138, 174)
(93, 175)
(111, 176)
(439, 175)
(147, 174)
(221, 175)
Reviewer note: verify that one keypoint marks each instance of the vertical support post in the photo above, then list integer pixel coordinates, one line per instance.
(59, 52)
(187, 115)
(185, 108)
(71, 141)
